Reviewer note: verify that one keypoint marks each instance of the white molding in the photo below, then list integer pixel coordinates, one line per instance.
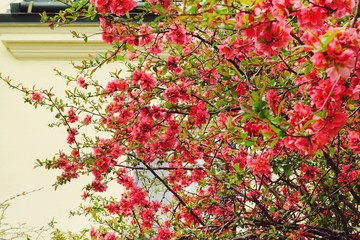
(39, 42)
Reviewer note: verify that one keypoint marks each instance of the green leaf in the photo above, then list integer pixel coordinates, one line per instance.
(276, 169)
(274, 141)
(249, 143)
(274, 128)
(221, 103)
(237, 167)
(281, 106)
(288, 169)
(326, 39)
(246, 2)
(331, 152)
(272, 209)
(308, 68)
(130, 48)
(191, 9)
(254, 96)
(168, 105)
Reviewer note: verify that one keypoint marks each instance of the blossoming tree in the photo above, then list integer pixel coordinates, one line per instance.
(235, 119)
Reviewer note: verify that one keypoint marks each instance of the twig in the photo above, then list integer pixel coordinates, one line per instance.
(170, 189)
(19, 195)
(357, 14)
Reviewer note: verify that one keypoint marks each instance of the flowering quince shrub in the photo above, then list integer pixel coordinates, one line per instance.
(234, 120)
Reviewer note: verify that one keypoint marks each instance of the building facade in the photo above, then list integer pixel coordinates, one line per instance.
(29, 51)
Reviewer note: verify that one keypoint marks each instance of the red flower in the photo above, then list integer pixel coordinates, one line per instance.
(271, 37)
(81, 82)
(146, 81)
(97, 186)
(113, 208)
(71, 135)
(347, 176)
(308, 172)
(116, 85)
(226, 50)
(311, 17)
(120, 8)
(145, 35)
(173, 64)
(35, 96)
(177, 35)
(199, 114)
(87, 119)
(172, 94)
(72, 117)
(354, 141)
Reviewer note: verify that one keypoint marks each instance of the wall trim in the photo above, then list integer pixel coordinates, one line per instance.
(39, 42)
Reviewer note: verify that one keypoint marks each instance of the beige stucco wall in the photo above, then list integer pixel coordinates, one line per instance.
(4, 5)
(25, 136)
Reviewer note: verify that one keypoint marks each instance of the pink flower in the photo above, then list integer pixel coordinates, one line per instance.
(110, 236)
(354, 141)
(254, 194)
(71, 135)
(113, 208)
(343, 65)
(311, 17)
(164, 3)
(101, 5)
(164, 233)
(116, 85)
(146, 80)
(339, 58)
(156, 48)
(87, 120)
(173, 64)
(341, 7)
(240, 89)
(84, 196)
(81, 82)
(172, 94)
(145, 35)
(319, 60)
(308, 173)
(97, 186)
(177, 35)
(36, 96)
(199, 114)
(120, 8)
(347, 176)
(271, 37)
(259, 165)
(227, 51)
(72, 117)
(273, 100)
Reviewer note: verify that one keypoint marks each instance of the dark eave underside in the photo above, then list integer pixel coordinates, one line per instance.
(29, 12)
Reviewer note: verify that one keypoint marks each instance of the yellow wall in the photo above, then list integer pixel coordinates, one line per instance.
(25, 136)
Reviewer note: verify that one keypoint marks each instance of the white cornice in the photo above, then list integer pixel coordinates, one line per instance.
(39, 42)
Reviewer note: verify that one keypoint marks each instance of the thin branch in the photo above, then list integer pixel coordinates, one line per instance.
(159, 168)
(357, 14)
(170, 189)
(337, 172)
